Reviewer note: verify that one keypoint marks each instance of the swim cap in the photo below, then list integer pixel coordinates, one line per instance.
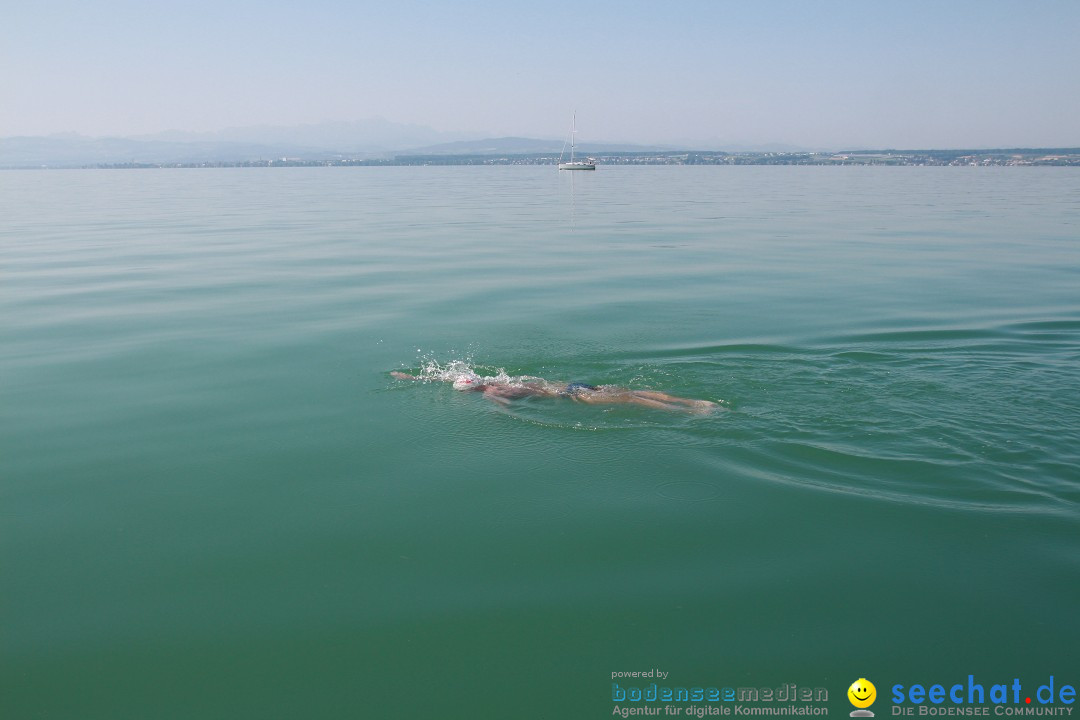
(466, 381)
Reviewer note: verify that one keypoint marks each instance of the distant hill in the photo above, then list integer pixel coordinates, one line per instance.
(489, 146)
(524, 146)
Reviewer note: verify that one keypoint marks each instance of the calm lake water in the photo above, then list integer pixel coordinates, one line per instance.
(216, 503)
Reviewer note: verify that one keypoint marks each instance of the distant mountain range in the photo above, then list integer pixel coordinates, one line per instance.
(78, 151)
(373, 135)
(365, 139)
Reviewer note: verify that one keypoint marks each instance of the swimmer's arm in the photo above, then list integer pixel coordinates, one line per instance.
(504, 393)
(497, 398)
(403, 376)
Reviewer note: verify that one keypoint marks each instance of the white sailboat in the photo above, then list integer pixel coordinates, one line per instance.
(574, 164)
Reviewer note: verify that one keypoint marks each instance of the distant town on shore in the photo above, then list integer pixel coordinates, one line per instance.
(972, 158)
(380, 143)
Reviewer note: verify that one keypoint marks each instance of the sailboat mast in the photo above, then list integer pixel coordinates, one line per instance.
(573, 136)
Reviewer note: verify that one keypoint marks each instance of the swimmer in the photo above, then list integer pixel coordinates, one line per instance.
(503, 391)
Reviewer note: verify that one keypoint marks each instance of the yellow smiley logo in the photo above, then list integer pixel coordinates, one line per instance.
(862, 693)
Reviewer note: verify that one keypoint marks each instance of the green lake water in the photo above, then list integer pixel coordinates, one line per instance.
(215, 502)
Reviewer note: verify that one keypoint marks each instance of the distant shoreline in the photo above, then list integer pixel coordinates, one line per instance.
(1012, 157)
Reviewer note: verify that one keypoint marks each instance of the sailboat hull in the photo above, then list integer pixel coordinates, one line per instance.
(577, 166)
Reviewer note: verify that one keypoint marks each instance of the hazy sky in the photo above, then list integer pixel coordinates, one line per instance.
(816, 73)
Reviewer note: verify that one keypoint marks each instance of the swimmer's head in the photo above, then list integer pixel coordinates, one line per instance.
(467, 381)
